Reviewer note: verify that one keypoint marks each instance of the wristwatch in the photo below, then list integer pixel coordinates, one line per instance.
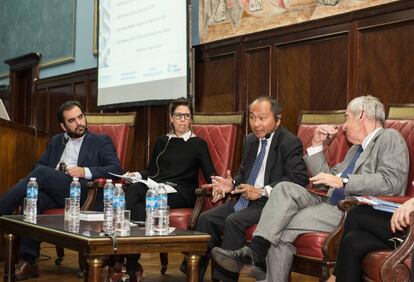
(263, 192)
(345, 181)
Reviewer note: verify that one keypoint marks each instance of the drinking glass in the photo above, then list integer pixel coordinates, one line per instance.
(29, 210)
(162, 221)
(126, 228)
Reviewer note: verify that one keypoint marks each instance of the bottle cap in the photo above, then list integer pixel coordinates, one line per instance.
(32, 178)
(118, 185)
(109, 180)
(76, 178)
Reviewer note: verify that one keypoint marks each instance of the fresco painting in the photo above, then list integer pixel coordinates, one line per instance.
(220, 19)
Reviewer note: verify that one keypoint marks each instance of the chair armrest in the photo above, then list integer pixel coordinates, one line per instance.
(347, 204)
(394, 268)
(201, 194)
(331, 244)
(92, 192)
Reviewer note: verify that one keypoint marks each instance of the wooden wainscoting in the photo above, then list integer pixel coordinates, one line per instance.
(316, 65)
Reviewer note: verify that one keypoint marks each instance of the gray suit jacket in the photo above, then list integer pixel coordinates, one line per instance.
(382, 168)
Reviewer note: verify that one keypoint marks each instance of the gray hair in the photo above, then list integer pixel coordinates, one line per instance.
(370, 105)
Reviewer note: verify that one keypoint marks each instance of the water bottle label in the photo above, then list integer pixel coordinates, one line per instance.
(118, 202)
(151, 203)
(121, 201)
(31, 193)
(75, 193)
(115, 202)
(162, 201)
(108, 194)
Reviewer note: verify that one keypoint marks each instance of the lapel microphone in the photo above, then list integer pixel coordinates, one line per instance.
(267, 136)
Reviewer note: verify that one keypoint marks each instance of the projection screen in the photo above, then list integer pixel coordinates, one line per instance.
(143, 51)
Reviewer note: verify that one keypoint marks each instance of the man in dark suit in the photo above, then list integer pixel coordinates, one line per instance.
(85, 155)
(271, 154)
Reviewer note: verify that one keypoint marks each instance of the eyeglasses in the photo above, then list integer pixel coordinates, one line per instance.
(181, 115)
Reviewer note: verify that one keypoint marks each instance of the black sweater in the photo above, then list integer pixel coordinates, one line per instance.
(179, 162)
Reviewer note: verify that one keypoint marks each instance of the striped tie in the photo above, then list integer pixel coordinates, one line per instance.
(242, 203)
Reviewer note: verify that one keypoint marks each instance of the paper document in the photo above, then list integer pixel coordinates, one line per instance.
(125, 176)
(149, 182)
(379, 204)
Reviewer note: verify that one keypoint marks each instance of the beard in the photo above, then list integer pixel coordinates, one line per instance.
(78, 132)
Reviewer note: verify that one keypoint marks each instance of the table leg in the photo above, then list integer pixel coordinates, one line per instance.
(9, 260)
(192, 267)
(95, 270)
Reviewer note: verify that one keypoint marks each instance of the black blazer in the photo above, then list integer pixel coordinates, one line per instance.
(284, 162)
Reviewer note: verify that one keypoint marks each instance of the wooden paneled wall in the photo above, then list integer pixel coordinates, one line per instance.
(21, 146)
(318, 65)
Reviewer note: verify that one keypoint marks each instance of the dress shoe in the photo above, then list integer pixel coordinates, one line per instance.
(25, 270)
(243, 260)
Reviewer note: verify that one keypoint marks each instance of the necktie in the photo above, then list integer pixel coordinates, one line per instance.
(339, 193)
(242, 203)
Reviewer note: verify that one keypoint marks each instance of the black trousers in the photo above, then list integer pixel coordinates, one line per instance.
(224, 221)
(365, 230)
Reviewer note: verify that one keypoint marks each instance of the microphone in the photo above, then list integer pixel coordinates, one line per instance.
(267, 136)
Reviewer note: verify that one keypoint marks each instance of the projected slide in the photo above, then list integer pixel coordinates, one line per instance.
(142, 50)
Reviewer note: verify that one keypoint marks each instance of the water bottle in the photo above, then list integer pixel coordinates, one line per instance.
(74, 194)
(119, 206)
(108, 224)
(151, 204)
(161, 219)
(30, 205)
(32, 189)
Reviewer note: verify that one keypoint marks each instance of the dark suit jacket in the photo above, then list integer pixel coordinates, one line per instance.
(97, 153)
(284, 162)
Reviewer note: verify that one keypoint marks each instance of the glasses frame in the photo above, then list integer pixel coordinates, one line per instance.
(178, 116)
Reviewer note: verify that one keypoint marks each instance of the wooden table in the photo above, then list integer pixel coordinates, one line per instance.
(95, 245)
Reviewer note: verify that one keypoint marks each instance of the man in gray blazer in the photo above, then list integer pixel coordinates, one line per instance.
(377, 164)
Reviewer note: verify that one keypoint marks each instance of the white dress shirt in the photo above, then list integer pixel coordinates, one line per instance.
(70, 154)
